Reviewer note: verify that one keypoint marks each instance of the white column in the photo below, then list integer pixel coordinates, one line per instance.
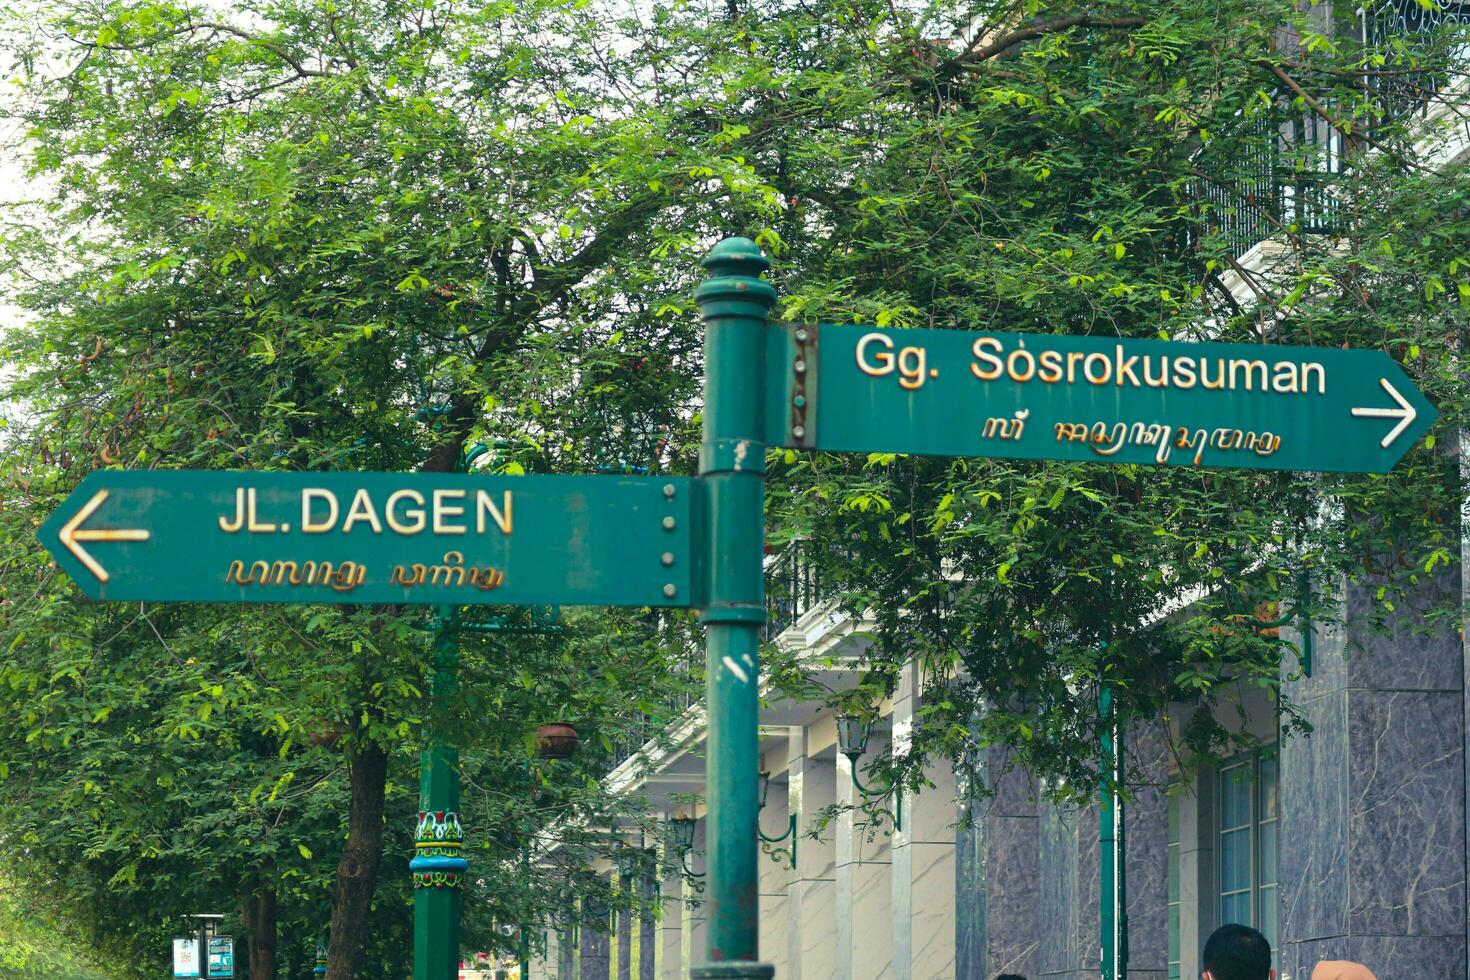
(811, 898)
(923, 859)
(691, 947)
(864, 882)
(545, 966)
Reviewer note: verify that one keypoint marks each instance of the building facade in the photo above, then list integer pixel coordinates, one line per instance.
(1347, 844)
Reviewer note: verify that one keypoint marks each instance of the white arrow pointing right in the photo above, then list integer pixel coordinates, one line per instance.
(1405, 413)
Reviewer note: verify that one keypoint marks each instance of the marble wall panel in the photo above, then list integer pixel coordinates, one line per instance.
(813, 950)
(872, 925)
(775, 877)
(970, 899)
(1373, 802)
(566, 956)
(997, 856)
(931, 952)
(648, 957)
(596, 947)
(1067, 892)
(1411, 655)
(1147, 823)
(864, 927)
(1314, 803)
(812, 891)
(624, 951)
(1406, 822)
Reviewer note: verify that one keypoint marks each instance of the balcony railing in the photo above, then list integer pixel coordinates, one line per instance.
(1282, 182)
(1381, 24)
(793, 587)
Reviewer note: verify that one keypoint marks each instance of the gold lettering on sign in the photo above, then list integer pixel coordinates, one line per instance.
(452, 572)
(1107, 439)
(1112, 367)
(911, 363)
(415, 514)
(230, 527)
(443, 511)
(485, 505)
(342, 578)
(360, 511)
(1009, 429)
(252, 524)
(309, 526)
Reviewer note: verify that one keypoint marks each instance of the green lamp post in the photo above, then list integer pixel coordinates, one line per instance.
(438, 866)
(734, 304)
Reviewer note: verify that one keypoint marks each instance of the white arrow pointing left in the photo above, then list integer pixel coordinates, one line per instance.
(1405, 413)
(71, 534)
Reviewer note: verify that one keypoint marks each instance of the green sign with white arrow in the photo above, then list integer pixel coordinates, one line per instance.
(1098, 399)
(454, 539)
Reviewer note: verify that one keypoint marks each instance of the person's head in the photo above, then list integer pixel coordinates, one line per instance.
(1236, 952)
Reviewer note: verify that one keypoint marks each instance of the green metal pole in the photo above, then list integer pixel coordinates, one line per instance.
(1112, 845)
(734, 303)
(438, 865)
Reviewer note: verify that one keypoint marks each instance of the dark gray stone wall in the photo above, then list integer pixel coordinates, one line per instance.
(1373, 849)
(625, 946)
(596, 947)
(1068, 917)
(996, 876)
(647, 942)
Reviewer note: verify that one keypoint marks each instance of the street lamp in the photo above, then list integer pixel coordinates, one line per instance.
(681, 836)
(763, 787)
(852, 741)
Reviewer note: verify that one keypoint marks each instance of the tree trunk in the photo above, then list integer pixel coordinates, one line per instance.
(259, 914)
(357, 872)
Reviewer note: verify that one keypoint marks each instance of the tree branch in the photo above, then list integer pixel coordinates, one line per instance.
(192, 28)
(1054, 26)
(1347, 131)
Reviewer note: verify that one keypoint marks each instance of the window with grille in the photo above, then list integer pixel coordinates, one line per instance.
(1248, 817)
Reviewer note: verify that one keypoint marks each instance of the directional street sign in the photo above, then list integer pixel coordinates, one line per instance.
(217, 536)
(1043, 396)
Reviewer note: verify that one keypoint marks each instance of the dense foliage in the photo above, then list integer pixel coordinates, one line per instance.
(371, 234)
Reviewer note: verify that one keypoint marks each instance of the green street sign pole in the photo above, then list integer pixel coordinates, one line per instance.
(438, 866)
(734, 303)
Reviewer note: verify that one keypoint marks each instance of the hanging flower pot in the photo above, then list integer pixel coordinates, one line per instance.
(556, 740)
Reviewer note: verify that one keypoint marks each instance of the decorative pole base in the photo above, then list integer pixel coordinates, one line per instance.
(733, 970)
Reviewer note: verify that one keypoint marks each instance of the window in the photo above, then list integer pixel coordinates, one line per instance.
(1249, 815)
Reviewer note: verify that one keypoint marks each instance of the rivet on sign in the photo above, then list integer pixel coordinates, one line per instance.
(668, 523)
(668, 489)
(669, 590)
(668, 558)
(801, 335)
(798, 431)
(800, 366)
(799, 401)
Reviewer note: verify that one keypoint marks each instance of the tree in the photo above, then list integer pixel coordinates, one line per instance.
(1094, 171)
(371, 236)
(362, 236)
